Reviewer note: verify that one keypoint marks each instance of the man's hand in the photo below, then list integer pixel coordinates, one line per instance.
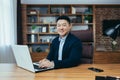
(45, 63)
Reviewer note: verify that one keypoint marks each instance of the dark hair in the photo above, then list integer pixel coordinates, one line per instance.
(64, 18)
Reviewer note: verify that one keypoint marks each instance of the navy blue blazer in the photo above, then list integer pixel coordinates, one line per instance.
(71, 54)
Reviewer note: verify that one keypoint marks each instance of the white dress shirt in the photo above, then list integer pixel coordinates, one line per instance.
(62, 41)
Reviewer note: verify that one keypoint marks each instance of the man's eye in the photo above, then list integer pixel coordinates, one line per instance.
(64, 25)
(58, 25)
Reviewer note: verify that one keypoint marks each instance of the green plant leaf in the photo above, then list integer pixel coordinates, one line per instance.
(33, 26)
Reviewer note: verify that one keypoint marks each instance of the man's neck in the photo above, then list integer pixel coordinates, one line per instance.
(64, 36)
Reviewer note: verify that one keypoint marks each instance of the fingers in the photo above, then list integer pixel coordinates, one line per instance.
(44, 63)
(42, 60)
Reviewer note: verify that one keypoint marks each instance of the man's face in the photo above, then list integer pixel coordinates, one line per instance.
(63, 27)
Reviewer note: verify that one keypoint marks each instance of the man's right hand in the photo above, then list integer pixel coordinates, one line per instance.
(44, 63)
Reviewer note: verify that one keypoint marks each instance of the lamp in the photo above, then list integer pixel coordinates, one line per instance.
(113, 31)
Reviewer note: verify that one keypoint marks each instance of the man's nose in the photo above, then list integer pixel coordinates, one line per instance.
(61, 27)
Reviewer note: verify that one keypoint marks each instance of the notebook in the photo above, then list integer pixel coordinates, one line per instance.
(23, 59)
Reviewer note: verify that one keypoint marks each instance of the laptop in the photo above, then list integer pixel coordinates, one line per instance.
(23, 59)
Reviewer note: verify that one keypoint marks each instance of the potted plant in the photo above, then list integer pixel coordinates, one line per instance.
(114, 45)
(87, 19)
(33, 28)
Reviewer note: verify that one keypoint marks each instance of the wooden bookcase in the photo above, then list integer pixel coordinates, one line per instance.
(39, 22)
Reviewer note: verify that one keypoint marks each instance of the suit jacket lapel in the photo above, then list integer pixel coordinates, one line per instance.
(67, 41)
(57, 47)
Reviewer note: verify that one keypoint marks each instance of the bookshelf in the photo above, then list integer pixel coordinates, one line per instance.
(39, 24)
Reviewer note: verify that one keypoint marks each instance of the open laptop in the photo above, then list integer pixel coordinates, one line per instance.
(23, 59)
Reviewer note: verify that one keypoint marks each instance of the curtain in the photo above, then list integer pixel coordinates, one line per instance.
(7, 30)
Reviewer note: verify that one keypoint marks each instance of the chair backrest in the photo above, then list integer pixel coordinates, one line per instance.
(86, 37)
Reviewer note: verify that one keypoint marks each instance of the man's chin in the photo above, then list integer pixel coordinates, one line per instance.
(62, 35)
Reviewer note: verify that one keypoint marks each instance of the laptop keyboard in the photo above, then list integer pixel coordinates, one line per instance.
(36, 66)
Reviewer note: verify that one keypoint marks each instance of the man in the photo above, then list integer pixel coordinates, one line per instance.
(66, 49)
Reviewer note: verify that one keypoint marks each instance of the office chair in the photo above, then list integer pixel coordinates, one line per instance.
(86, 37)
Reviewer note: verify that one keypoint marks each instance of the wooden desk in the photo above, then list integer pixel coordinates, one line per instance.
(11, 72)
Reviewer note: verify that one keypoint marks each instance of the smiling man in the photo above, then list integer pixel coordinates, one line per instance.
(66, 49)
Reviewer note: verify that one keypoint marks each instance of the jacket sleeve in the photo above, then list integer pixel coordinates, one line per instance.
(50, 56)
(53, 50)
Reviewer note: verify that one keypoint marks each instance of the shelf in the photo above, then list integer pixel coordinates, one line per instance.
(82, 23)
(44, 33)
(48, 43)
(38, 23)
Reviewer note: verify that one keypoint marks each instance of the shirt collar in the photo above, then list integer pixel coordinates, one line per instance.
(63, 38)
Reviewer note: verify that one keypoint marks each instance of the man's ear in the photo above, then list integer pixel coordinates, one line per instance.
(70, 25)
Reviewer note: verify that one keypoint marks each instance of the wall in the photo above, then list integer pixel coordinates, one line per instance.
(70, 1)
(101, 13)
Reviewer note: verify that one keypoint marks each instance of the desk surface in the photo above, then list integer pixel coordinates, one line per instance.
(81, 72)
